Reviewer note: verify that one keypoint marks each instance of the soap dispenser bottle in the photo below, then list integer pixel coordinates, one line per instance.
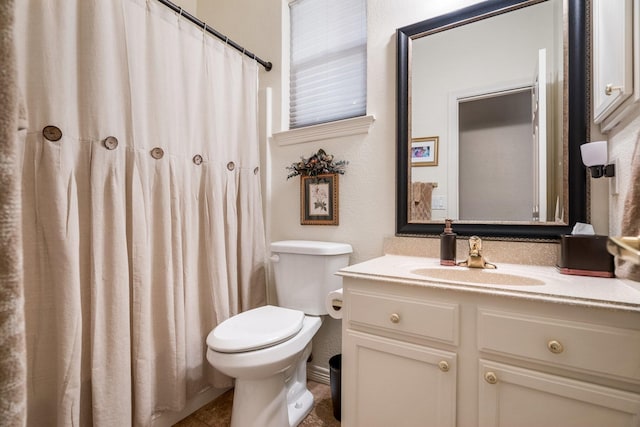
(448, 245)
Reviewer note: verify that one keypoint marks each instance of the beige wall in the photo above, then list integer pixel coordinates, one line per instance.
(367, 191)
(190, 6)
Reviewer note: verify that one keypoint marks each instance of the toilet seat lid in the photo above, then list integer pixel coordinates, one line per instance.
(255, 329)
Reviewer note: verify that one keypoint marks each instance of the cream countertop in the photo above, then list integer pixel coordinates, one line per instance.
(613, 293)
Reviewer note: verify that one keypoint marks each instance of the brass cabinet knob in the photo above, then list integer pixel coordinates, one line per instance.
(608, 89)
(395, 318)
(555, 347)
(443, 365)
(490, 377)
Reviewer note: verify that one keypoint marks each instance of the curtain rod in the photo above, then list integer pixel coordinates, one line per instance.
(266, 64)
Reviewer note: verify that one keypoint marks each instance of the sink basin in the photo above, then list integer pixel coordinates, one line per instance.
(477, 275)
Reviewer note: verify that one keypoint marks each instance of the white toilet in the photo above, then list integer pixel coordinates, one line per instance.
(266, 349)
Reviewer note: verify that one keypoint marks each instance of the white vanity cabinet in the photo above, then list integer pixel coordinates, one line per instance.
(394, 376)
(427, 356)
(513, 396)
(510, 394)
(392, 382)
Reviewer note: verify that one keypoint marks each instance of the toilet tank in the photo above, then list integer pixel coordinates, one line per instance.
(304, 272)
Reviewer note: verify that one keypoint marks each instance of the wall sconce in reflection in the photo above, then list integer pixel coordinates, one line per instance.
(595, 157)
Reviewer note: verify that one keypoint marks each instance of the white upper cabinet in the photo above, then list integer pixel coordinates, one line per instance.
(615, 60)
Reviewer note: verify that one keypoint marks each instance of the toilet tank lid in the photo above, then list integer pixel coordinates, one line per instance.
(310, 247)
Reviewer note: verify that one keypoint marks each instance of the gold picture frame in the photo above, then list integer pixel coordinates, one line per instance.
(319, 199)
(424, 151)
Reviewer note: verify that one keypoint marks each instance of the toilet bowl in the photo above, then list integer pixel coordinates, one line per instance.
(270, 387)
(266, 349)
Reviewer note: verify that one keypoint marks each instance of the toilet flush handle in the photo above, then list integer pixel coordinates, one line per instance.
(275, 258)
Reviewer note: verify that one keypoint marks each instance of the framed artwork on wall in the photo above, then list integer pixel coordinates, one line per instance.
(319, 199)
(424, 151)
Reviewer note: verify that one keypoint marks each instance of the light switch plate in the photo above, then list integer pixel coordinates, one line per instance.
(438, 203)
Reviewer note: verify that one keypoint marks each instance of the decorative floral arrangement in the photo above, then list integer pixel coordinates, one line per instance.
(319, 163)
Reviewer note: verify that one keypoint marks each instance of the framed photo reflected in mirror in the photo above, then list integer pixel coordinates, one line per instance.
(424, 151)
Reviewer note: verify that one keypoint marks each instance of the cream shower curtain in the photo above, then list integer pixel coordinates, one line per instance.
(143, 226)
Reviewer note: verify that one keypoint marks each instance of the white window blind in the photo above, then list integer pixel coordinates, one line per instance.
(328, 61)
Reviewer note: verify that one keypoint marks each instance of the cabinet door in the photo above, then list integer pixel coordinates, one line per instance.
(612, 55)
(511, 396)
(386, 382)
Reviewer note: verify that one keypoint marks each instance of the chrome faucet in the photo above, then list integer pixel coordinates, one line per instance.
(475, 259)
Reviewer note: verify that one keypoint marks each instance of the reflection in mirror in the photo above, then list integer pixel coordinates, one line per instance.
(490, 84)
(480, 101)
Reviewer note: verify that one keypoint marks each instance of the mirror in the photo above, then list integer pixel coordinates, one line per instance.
(491, 112)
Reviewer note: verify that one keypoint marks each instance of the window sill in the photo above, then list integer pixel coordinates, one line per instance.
(337, 129)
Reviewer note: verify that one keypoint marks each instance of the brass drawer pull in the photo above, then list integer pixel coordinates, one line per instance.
(490, 377)
(395, 318)
(443, 365)
(555, 347)
(608, 90)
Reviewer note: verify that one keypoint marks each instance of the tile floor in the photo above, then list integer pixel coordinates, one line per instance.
(218, 412)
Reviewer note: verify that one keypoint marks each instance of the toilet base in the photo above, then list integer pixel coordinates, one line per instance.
(300, 408)
(260, 403)
(299, 398)
(268, 405)
(281, 400)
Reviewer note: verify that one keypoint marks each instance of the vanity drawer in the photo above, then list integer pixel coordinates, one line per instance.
(577, 345)
(408, 316)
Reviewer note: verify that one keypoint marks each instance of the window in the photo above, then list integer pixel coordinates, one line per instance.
(328, 63)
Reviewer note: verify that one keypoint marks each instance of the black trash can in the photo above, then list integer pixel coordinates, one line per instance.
(335, 379)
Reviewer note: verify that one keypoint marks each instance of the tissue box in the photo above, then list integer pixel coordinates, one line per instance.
(584, 255)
